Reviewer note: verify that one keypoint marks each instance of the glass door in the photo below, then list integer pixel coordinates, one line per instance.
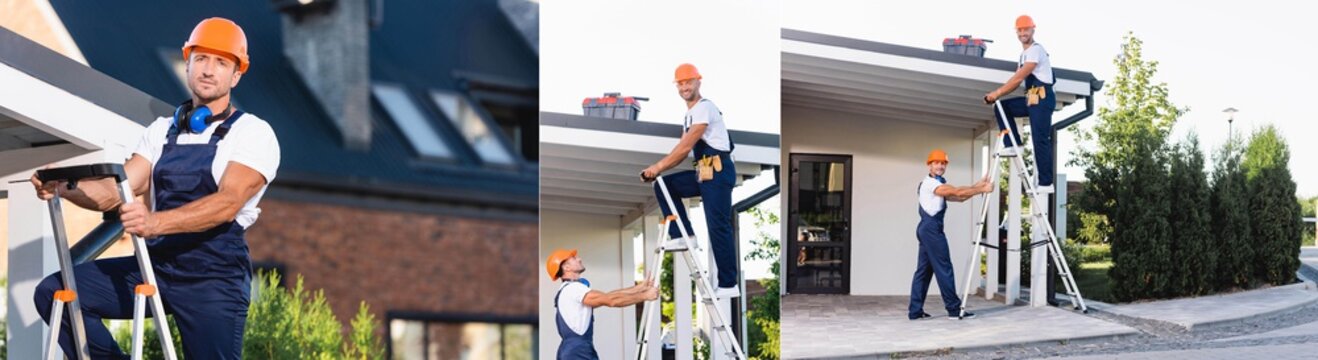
(819, 224)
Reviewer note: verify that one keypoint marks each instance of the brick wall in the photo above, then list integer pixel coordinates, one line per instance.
(401, 261)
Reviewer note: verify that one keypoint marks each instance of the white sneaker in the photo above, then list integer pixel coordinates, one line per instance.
(727, 293)
(677, 244)
(1009, 151)
(1043, 189)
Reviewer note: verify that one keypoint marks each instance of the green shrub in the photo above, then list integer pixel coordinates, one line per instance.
(1274, 214)
(1192, 244)
(1229, 207)
(763, 318)
(284, 324)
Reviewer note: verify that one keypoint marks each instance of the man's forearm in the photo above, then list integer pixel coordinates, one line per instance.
(673, 158)
(203, 214)
(97, 195)
(1007, 88)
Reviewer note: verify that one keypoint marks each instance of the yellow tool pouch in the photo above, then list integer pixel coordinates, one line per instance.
(707, 166)
(1034, 94)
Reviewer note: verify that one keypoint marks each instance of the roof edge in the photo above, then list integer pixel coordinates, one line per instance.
(646, 128)
(927, 54)
(80, 80)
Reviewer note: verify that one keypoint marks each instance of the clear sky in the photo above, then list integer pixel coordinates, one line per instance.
(1256, 56)
(591, 47)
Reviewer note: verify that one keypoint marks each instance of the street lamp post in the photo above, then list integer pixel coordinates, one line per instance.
(1231, 118)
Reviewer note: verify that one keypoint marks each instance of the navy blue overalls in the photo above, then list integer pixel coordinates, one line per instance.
(716, 197)
(204, 277)
(1041, 123)
(574, 346)
(934, 261)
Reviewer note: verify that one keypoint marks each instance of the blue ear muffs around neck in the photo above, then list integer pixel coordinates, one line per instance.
(191, 120)
(197, 120)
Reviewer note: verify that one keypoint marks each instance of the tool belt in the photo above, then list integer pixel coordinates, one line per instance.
(1034, 94)
(706, 166)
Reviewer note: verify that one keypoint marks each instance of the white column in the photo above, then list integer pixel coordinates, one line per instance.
(31, 258)
(627, 252)
(1038, 263)
(991, 236)
(652, 237)
(1060, 227)
(1013, 233)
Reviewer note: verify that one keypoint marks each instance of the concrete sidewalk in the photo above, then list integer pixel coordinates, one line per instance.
(823, 326)
(1309, 263)
(1191, 313)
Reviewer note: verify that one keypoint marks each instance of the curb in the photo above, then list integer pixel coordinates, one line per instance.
(1306, 285)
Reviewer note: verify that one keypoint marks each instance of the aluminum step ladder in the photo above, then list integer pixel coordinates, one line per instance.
(1038, 210)
(68, 296)
(704, 290)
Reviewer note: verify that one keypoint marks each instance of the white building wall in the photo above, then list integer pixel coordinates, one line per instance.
(887, 163)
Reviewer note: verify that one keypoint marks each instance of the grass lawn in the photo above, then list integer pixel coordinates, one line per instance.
(1092, 279)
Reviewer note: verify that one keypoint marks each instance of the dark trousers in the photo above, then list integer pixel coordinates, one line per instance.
(210, 313)
(935, 262)
(1041, 122)
(716, 197)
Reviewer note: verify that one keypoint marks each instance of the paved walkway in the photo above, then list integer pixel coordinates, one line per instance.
(1190, 313)
(821, 326)
(1309, 262)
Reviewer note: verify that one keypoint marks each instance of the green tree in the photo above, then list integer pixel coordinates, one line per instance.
(1273, 211)
(1307, 210)
(763, 318)
(1128, 181)
(1229, 206)
(1192, 244)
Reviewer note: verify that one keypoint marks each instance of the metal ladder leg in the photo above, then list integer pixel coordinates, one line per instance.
(70, 286)
(153, 297)
(980, 245)
(651, 311)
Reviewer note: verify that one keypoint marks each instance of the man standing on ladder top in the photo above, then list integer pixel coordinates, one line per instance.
(706, 136)
(206, 169)
(934, 259)
(575, 303)
(1036, 71)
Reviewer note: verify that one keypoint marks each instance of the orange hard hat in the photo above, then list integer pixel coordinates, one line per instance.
(555, 261)
(685, 72)
(1024, 21)
(936, 155)
(222, 35)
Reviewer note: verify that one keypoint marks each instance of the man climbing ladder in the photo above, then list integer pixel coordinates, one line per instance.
(206, 169)
(706, 136)
(1036, 71)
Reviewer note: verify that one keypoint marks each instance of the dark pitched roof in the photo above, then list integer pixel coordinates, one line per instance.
(442, 45)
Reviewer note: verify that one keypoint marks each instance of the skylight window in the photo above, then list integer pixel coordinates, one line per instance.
(418, 130)
(474, 128)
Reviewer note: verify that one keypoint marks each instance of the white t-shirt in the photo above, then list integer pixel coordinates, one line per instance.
(572, 308)
(250, 142)
(1043, 69)
(930, 202)
(716, 133)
